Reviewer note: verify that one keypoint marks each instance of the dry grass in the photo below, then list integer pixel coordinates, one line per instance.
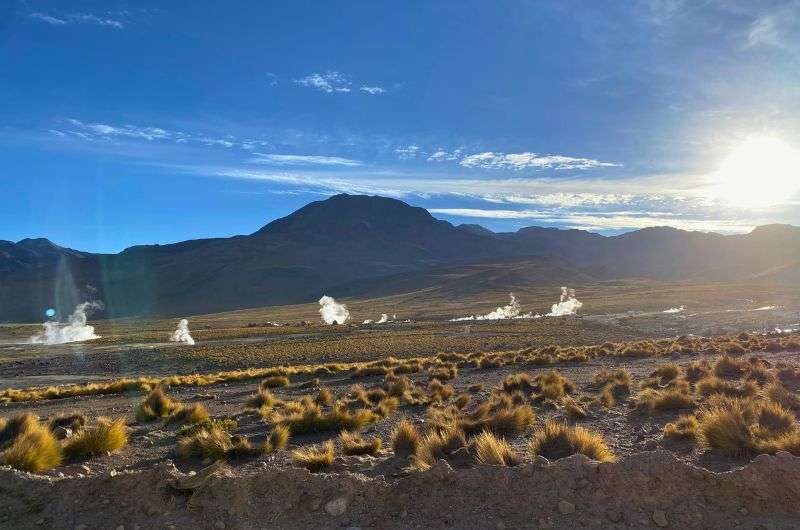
(310, 418)
(685, 427)
(263, 398)
(16, 426)
(106, 436)
(714, 385)
(518, 382)
(226, 424)
(613, 386)
(439, 444)
(314, 458)
(675, 398)
(213, 444)
(278, 439)
(275, 382)
(729, 367)
(189, 414)
(353, 444)
(553, 385)
(405, 439)
(556, 440)
(74, 421)
(33, 449)
(494, 451)
(156, 405)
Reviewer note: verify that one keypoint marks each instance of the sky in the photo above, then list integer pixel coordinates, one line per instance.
(153, 122)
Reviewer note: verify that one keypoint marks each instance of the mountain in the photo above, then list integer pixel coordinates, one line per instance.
(352, 245)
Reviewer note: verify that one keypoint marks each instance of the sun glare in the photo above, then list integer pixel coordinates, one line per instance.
(760, 173)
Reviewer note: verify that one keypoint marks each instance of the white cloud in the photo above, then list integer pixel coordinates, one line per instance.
(302, 160)
(441, 155)
(492, 160)
(329, 82)
(373, 90)
(77, 18)
(407, 152)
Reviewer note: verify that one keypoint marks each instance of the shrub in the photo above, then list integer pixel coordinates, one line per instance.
(213, 443)
(727, 366)
(556, 440)
(405, 439)
(437, 445)
(314, 458)
(354, 444)
(684, 427)
(275, 382)
(107, 436)
(191, 414)
(263, 398)
(553, 385)
(33, 449)
(156, 405)
(490, 450)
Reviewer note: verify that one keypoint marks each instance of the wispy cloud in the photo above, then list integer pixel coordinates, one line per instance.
(303, 160)
(441, 155)
(373, 90)
(492, 160)
(407, 152)
(329, 82)
(77, 18)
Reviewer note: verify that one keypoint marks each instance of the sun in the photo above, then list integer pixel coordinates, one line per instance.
(761, 172)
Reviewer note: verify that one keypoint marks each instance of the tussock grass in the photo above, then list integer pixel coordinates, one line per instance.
(353, 444)
(324, 397)
(226, 424)
(387, 406)
(439, 392)
(714, 385)
(500, 415)
(685, 427)
(106, 436)
(556, 440)
(275, 381)
(553, 385)
(438, 444)
(574, 409)
(74, 421)
(666, 373)
(405, 439)
(262, 399)
(156, 405)
(651, 400)
(16, 426)
(311, 418)
(462, 400)
(494, 451)
(729, 367)
(518, 382)
(443, 373)
(779, 394)
(213, 443)
(278, 439)
(314, 458)
(613, 386)
(697, 370)
(33, 449)
(188, 414)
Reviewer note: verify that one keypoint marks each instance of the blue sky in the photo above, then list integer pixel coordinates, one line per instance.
(126, 124)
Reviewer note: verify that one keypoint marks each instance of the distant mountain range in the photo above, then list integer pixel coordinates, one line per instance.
(355, 245)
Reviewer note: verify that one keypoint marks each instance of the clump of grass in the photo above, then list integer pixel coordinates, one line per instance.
(106, 436)
(729, 367)
(354, 444)
(444, 372)
(190, 414)
(311, 418)
(556, 440)
(263, 398)
(553, 385)
(16, 426)
(225, 424)
(574, 409)
(405, 439)
(438, 444)
(275, 381)
(439, 391)
(156, 405)
(714, 385)
(324, 397)
(666, 373)
(518, 382)
(74, 421)
(685, 427)
(697, 370)
(650, 400)
(387, 406)
(314, 458)
(613, 385)
(278, 439)
(213, 443)
(462, 400)
(33, 449)
(779, 394)
(494, 451)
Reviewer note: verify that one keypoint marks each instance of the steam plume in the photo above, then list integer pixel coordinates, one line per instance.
(332, 311)
(512, 310)
(384, 319)
(75, 330)
(673, 310)
(181, 334)
(568, 305)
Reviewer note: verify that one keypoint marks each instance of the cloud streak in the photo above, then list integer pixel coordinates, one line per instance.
(303, 160)
(77, 18)
(518, 161)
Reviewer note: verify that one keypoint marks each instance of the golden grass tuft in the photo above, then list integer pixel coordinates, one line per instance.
(714, 385)
(311, 418)
(685, 427)
(277, 439)
(405, 439)
(552, 385)
(651, 400)
(16, 426)
(354, 444)
(106, 436)
(666, 373)
(156, 405)
(263, 398)
(494, 451)
(189, 414)
(213, 443)
(226, 424)
(727, 366)
(275, 381)
(439, 444)
(314, 458)
(556, 440)
(33, 449)
(518, 382)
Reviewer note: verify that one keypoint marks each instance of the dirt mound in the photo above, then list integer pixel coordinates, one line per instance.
(650, 489)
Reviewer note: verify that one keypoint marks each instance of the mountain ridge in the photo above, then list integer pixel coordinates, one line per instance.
(354, 245)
